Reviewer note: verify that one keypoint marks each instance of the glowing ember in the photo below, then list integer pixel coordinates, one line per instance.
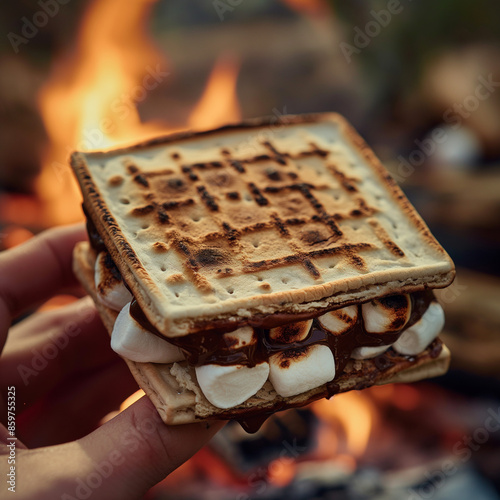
(309, 7)
(281, 471)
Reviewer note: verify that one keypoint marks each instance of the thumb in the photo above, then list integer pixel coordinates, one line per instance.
(122, 459)
(141, 449)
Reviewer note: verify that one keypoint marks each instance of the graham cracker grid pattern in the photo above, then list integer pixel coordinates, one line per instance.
(282, 179)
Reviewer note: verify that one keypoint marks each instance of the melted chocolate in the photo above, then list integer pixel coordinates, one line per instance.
(215, 348)
(137, 313)
(252, 424)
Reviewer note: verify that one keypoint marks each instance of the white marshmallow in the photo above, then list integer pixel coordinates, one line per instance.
(229, 386)
(296, 371)
(369, 352)
(293, 332)
(110, 291)
(418, 336)
(340, 320)
(130, 340)
(388, 314)
(240, 338)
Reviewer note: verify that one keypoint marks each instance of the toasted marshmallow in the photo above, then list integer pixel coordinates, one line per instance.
(389, 314)
(369, 352)
(293, 332)
(339, 321)
(418, 336)
(111, 291)
(296, 371)
(242, 337)
(229, 386)
(130, 340)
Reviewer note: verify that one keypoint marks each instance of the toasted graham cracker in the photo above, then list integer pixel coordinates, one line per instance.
(247, 221)
(175, 392)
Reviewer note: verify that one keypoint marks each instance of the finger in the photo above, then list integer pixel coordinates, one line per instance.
(144, 449)
(76, 406)
(48, 347)
(36, 270)
(122, 459)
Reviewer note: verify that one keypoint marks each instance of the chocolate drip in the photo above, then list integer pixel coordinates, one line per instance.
(251, 424)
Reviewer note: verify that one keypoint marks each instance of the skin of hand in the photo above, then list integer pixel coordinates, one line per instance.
(66, 379)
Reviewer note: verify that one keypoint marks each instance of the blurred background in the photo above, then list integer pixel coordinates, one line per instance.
(421, 83)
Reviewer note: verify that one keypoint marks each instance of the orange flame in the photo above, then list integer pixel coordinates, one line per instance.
(353, 413)
(89, 102)
(219, 102)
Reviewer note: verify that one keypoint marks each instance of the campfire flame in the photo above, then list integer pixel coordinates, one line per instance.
(90, 100)
(349, 415)
(219, 103)
(87, 102)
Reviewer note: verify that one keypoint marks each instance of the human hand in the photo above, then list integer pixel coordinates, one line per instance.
(66, 379)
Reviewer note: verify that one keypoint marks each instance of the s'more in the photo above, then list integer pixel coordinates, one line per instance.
(258, 267)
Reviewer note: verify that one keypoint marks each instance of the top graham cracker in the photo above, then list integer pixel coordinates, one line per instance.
(230, 226)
